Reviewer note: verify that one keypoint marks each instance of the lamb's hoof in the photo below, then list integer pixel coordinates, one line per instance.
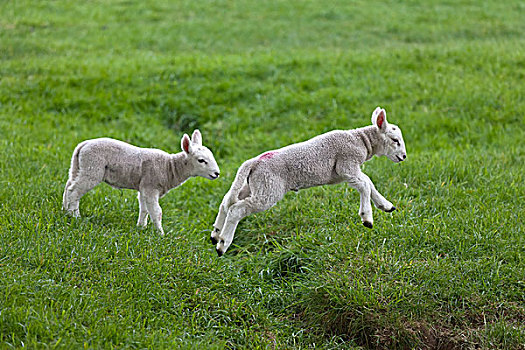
(219, 252)
(391, 210)
(214, 240)
(368, 224)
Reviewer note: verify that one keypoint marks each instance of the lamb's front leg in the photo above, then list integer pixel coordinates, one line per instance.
(378, 199)
(361, 184)
(143, 212)
(155, 211)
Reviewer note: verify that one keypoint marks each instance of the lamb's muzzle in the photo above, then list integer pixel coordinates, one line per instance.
(151, 172)
(329, 158)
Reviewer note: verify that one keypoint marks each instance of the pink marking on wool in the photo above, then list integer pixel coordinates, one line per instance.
(267, 155)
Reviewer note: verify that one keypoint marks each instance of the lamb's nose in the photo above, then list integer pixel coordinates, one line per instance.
(217, 173)
(404, 156)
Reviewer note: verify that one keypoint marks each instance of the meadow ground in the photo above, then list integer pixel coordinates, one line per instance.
(444, 271)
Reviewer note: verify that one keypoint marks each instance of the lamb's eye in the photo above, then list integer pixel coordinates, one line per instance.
(396, 141)
(202, 161)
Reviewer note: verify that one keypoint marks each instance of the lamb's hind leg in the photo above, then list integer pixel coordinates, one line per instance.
(78, 188)
(221, 217)
(65, 200)
(229, 199)
(241, 209)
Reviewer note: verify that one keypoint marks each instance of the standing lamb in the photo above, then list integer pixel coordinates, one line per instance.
(150, 171)
(330, 158)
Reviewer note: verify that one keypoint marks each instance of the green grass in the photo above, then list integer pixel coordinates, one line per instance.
(444, 271)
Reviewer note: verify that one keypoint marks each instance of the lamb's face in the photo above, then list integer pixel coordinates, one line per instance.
(394, 145)
(203, 162)
(201, 159)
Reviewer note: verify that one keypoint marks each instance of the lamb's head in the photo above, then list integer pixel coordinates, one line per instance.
(392, 143)
(201, 159)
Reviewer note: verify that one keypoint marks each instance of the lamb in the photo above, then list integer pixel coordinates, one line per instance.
(151, 172)
(330, 158)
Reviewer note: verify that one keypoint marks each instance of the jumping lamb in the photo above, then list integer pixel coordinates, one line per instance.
(330, 158)
(151, 172)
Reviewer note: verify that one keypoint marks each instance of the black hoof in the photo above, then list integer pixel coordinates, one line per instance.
(368, 224)
(213, 240)
(391, 210)
(219, 252)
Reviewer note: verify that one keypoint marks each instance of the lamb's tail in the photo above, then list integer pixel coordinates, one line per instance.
(241, 179)
(74, 169)
(73, 173)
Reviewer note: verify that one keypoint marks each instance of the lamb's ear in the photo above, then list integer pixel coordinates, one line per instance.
(185, 143)
(379, 119)
(196, 137)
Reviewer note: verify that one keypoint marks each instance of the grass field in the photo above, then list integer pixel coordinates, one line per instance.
(445, 271)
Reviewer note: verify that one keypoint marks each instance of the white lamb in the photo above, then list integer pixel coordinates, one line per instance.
(150, 171)
(329, 158)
